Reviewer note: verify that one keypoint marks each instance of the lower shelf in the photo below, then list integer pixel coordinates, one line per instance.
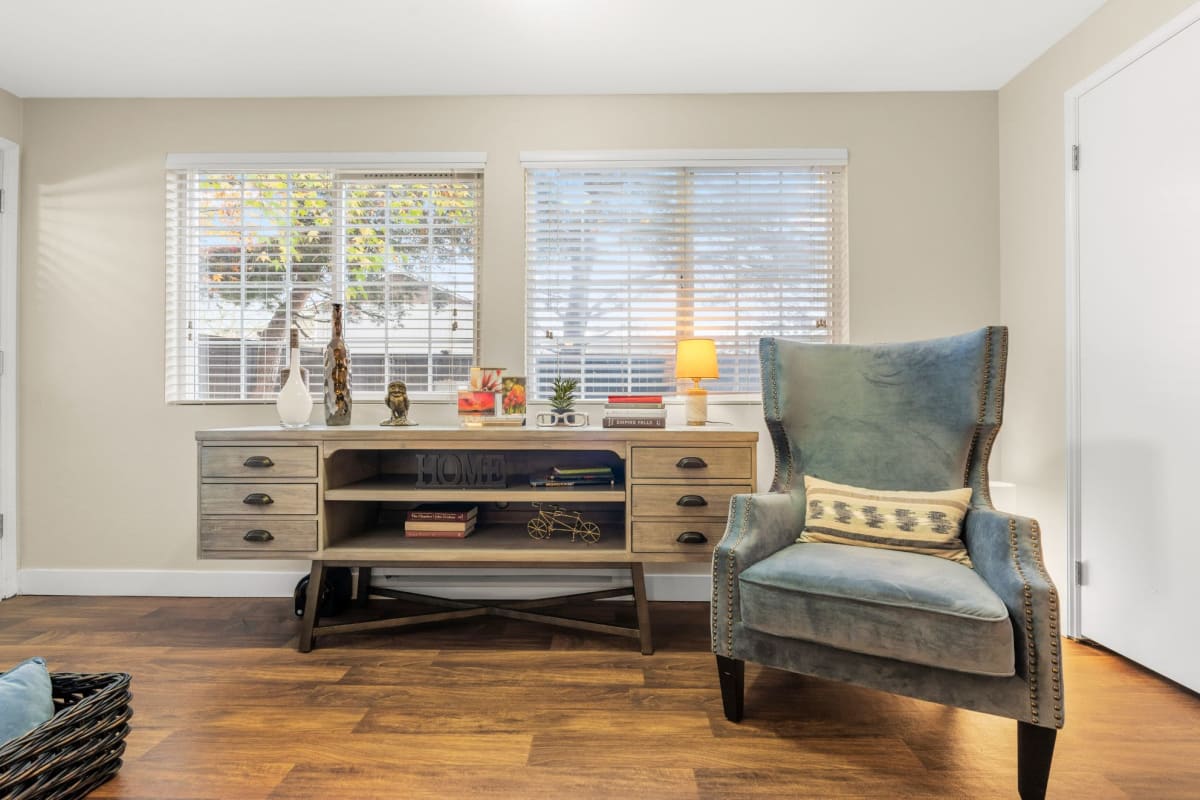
(507, 543)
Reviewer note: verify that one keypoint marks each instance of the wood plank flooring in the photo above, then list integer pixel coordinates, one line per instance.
(224, 707)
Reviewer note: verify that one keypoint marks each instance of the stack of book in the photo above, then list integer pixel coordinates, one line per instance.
(576, 476)
(635, 411)
(441, 521)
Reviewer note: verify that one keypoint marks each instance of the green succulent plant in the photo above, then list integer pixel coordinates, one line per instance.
(563, 398)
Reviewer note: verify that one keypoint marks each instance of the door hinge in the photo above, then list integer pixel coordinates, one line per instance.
(1075, 157)
(1, 201)
(1, 526)
(1080, 574)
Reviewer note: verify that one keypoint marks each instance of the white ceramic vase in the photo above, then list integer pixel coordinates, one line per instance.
(294, 403)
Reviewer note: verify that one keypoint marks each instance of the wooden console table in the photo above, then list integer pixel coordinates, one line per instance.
(338, 497)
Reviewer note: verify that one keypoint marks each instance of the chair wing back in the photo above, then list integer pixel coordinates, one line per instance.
(917, 415)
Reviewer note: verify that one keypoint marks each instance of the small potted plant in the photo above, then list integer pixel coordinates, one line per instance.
(562, 405)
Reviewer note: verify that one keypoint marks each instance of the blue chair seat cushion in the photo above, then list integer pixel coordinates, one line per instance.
(904, 606)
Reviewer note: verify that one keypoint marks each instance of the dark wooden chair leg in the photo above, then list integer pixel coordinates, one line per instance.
(1035, 749)
(733, 681)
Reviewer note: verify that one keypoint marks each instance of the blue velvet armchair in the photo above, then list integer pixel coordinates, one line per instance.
(913, 416)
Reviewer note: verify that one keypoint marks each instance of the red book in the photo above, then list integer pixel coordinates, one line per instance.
(635, 398)
(434, 525)
(444, 512)
(437, 534)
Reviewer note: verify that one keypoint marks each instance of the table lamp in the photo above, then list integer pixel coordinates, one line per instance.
(696, 359)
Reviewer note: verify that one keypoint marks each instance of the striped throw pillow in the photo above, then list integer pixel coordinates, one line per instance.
(917, 522)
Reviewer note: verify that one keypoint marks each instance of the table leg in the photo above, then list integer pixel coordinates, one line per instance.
(638, 573)
(362, 588)
(312, 602)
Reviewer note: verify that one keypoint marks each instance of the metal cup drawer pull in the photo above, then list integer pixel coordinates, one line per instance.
(258, 461)
(691, 462)
(691, 500)
(692, 537)
(258, 535)
(258, 499)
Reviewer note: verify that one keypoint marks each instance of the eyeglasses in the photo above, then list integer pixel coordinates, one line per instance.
(571, 419)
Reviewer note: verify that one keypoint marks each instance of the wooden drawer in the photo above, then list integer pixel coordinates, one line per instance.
(684, 502)
(258, 462)
(284, 498)
(664, 537)
(692, 462)
(281, 535)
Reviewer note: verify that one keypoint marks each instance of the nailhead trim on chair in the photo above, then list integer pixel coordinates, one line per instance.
(1055, 669)
(1003, 373)
(730, 578)
(985, 477)
(782, 480)
(986, 455)
(1030, 647)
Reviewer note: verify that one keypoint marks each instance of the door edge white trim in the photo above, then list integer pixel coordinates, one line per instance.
(9, 286)
(1071, 98)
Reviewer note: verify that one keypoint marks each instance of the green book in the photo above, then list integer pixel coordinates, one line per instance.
(583, 471)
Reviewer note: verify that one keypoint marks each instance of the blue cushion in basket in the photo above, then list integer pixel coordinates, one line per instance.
(25, 699)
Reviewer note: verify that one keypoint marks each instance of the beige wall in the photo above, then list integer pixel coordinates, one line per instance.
(1032, 244)
(10, 117)
(108, 469)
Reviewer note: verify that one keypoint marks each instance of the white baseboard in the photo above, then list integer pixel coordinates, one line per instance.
(157, 583)
(495, 585)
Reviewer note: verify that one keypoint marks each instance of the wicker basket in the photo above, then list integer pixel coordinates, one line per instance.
(79, 748)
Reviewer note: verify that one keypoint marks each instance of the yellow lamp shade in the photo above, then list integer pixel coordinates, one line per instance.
(696, 359)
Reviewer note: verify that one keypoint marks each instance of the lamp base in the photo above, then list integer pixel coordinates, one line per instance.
(696, 406)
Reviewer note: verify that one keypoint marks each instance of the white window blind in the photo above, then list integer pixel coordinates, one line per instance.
(255, 250)
(623, 260)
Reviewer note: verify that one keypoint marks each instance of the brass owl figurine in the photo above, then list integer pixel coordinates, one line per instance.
(397, 401)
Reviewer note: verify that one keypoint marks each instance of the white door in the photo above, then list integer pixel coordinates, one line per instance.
(1139, 354)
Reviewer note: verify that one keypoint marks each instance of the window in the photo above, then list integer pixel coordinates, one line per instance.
(255, 248)
(626, 255)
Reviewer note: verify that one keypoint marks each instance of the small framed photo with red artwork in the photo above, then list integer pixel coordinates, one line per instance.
(476, 403)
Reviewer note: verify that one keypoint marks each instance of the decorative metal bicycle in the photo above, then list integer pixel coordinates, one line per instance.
(552, 517)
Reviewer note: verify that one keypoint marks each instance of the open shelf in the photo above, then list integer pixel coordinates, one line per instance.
(399, 488)
(493, 542)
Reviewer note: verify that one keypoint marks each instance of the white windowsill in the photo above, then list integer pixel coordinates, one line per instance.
(447, 398)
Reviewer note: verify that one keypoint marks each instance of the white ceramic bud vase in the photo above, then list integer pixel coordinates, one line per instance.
(294, 403)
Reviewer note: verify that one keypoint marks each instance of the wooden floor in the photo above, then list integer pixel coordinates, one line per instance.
(224, 707)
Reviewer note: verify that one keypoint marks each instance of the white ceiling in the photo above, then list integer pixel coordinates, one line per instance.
(290, 48)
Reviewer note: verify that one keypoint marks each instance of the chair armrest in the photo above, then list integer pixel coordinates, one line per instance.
(1007, 553)
(759, 525)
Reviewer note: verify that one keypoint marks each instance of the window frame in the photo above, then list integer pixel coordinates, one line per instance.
(182, 272)
(768, 158)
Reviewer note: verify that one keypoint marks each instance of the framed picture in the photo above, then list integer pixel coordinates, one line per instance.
(485, 379)
(513, 396)
(476, 403)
